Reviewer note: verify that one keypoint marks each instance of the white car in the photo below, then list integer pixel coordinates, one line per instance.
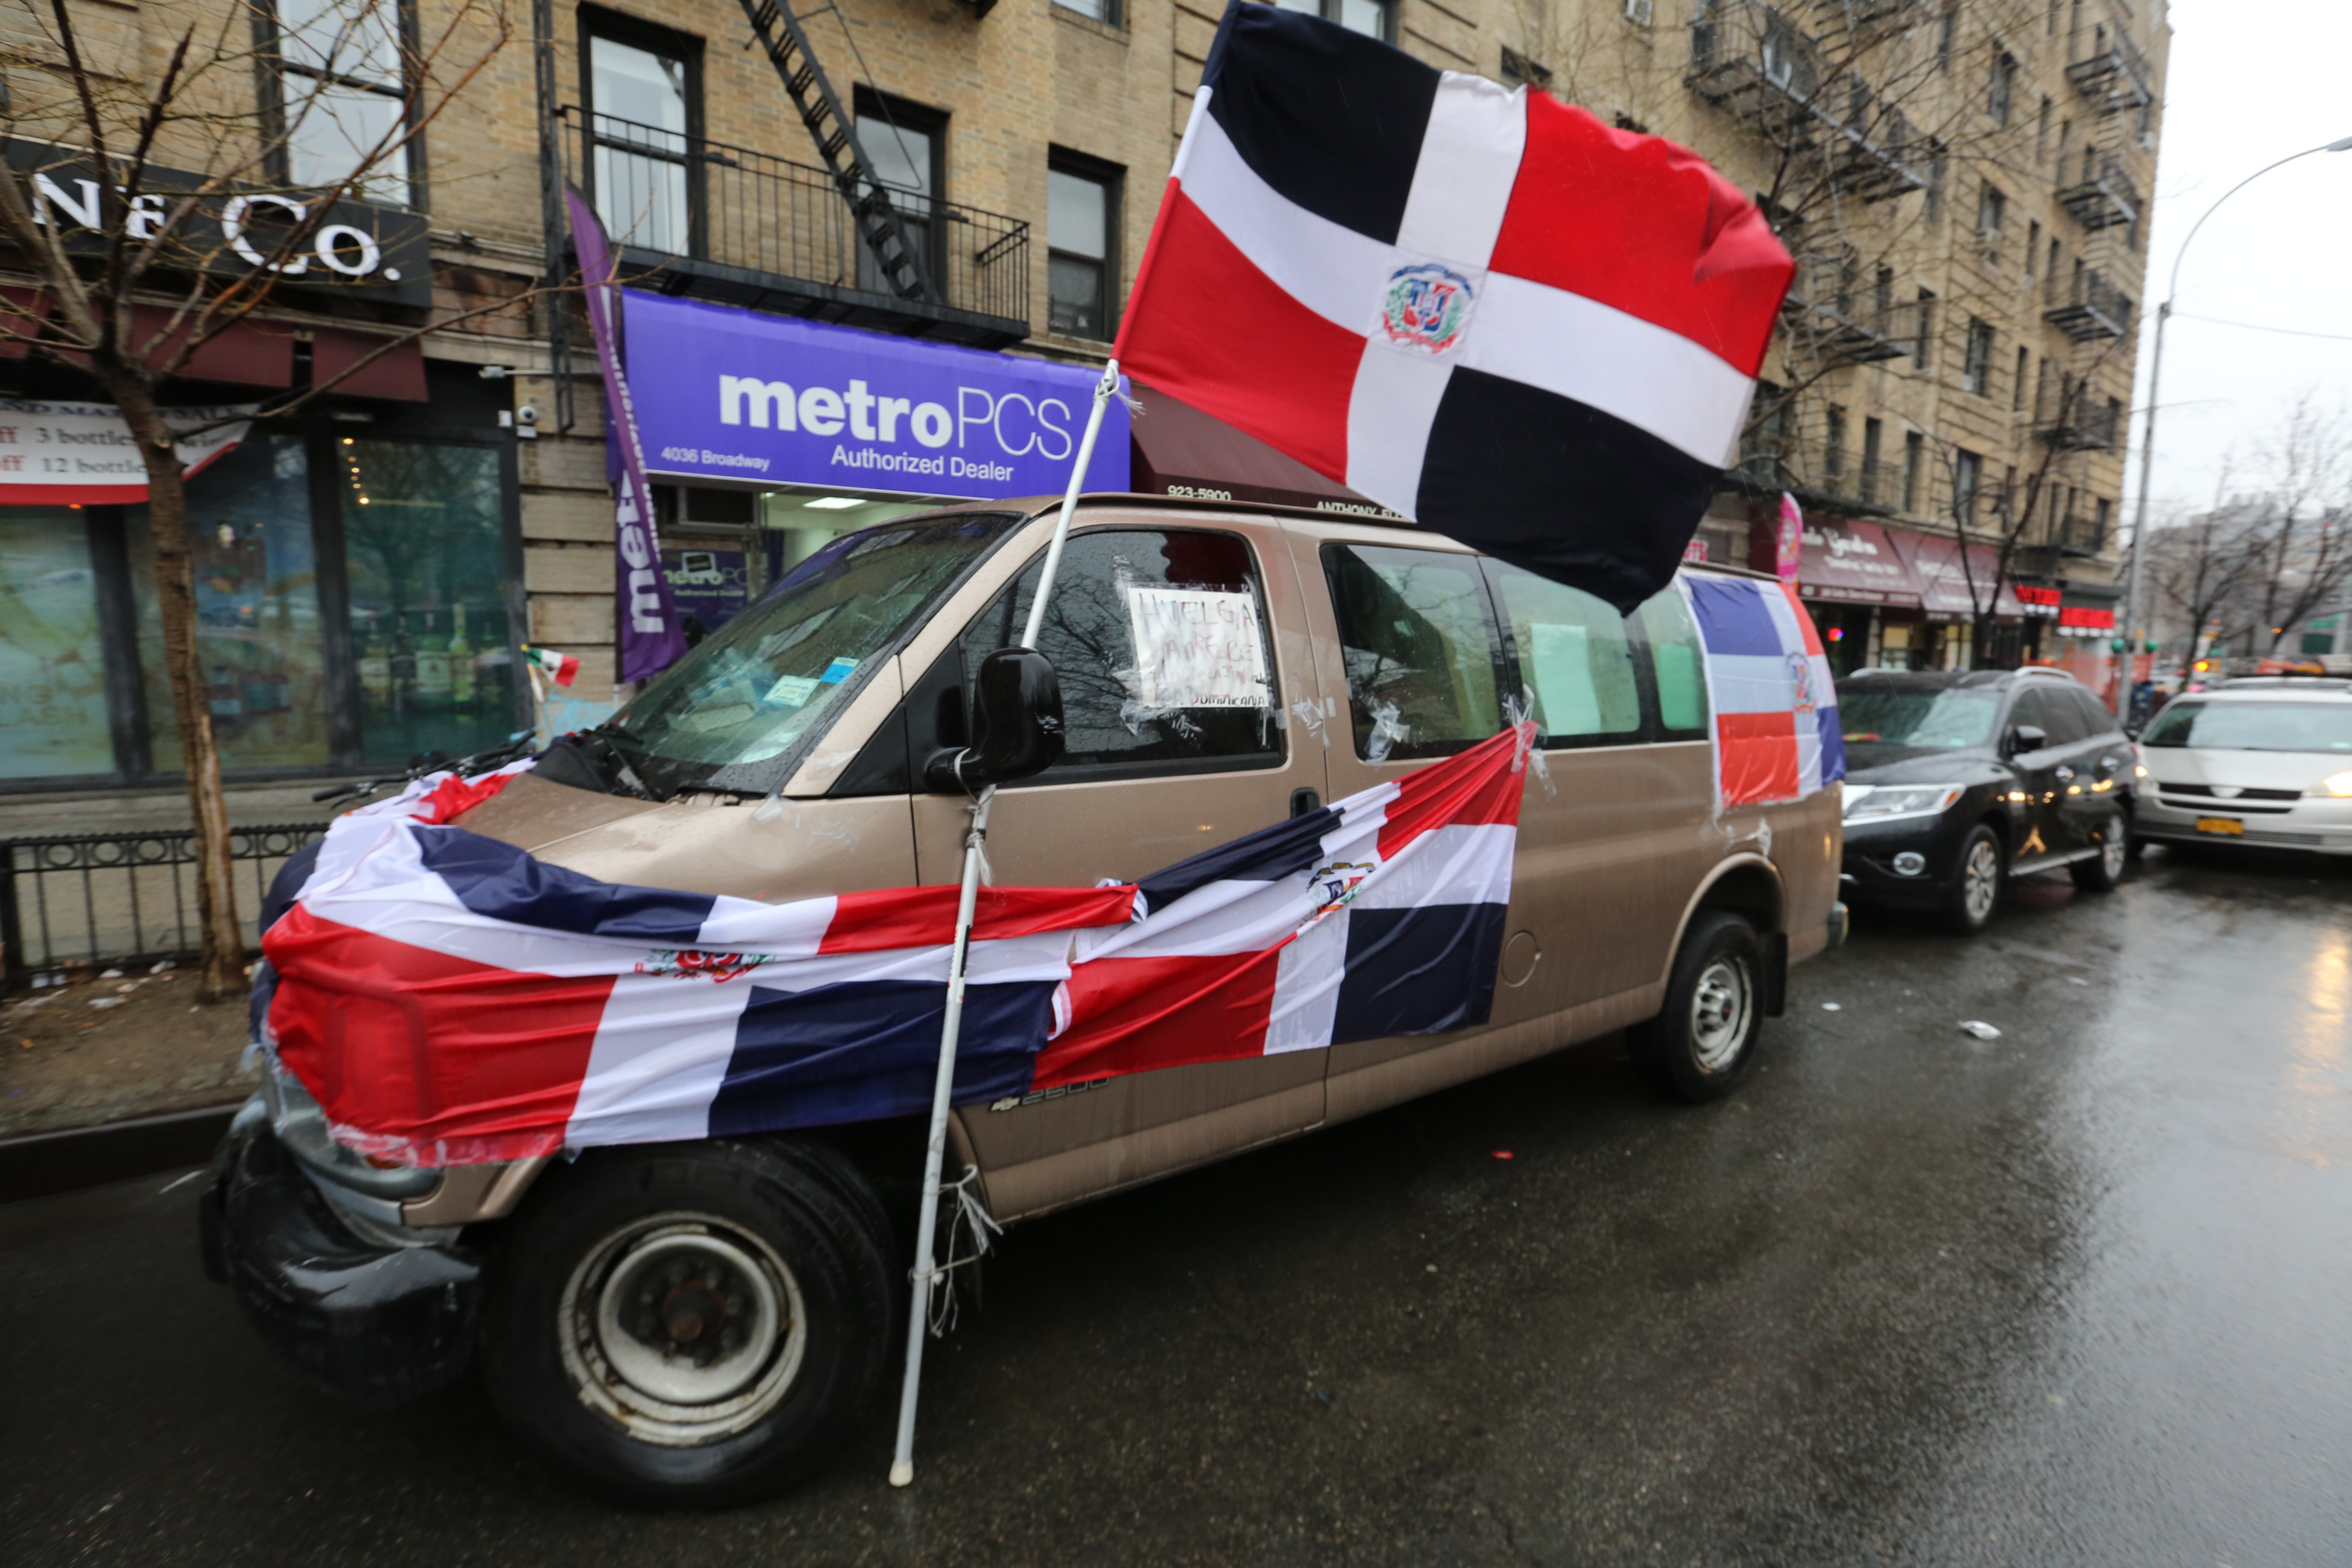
(2255, 761)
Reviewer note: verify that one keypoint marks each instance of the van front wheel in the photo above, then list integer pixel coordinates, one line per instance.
(1702, 1044)
(696, 1325)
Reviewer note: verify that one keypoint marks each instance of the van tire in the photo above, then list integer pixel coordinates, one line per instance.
(1702, 1044)
(690, 1325)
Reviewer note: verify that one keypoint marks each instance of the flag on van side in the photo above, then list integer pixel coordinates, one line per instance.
(1481, 308)
(1768, 685)
(449, 999)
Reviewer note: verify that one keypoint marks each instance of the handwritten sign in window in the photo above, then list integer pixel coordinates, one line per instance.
(1197, 647)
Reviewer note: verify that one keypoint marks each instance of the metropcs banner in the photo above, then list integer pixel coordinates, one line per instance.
(724, 394)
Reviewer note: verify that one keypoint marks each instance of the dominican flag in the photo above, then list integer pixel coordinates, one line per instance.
(1481, 308)
(449, 999)
(1769, 683)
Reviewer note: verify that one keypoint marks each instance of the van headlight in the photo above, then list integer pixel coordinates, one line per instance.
(1877, 803)
(2337, 784)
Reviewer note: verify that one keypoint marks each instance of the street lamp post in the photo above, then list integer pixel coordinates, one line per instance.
(2147, 435)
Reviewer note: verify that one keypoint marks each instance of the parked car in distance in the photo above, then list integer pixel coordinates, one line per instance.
(704, 1320)
(2263, 761)
(1957, 781)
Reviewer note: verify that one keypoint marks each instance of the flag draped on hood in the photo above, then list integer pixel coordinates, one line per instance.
(1481, 307)
(449, 999)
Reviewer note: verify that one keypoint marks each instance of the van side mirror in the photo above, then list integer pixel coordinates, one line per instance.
(2027, 738)
(1016, 725)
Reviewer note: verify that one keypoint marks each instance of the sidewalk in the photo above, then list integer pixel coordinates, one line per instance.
(65, 1062)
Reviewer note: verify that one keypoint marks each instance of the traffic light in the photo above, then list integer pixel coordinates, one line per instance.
(2116, 645)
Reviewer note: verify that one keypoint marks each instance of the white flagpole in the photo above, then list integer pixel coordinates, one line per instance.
(926, 1272)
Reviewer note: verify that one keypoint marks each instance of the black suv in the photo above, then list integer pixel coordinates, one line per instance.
(1955, 781)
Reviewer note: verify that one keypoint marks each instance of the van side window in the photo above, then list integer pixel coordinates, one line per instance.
(1677, 664)
(1200, 696)
(1573, 656)
(1424, 654)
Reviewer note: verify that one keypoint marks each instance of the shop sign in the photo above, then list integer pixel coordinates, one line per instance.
(83, 454)
(710, 585)
(1695, 550)
(2080, 617)
(727, 394)
(361, 250)
(1788, 543)
(2039, 601)
(1853, 563)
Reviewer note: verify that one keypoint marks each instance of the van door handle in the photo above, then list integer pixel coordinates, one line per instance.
(1303, 800)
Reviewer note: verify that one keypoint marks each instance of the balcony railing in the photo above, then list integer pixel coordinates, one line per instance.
(2072, 424)
(1755, 61)
(727, 223)
(2112, 73)
(2087, 307)
(1832, 311)
(2106, 194)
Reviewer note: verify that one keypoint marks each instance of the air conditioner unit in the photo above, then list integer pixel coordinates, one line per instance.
(1638, 12)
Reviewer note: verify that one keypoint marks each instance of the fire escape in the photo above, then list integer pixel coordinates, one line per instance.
(1798, 91)
(2096, 187)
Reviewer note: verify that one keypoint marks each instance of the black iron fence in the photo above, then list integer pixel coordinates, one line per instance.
(100, 898)
(674, 195)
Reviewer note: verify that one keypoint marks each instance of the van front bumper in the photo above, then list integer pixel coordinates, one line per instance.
(380, 1323)
(2316, 825)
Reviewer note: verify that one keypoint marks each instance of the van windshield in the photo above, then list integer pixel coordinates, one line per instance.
(742, 709)
(2254, 726)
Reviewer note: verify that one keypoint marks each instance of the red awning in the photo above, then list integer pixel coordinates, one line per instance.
(1946, 583)
(22, 311)
(1854, 562)
(1179, 451)
(397, 374)
(242, 353)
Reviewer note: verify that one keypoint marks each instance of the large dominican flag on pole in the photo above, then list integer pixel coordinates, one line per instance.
(449, 999)
(1481, 307)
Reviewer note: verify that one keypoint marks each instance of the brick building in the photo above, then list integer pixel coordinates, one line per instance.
(1963, 181)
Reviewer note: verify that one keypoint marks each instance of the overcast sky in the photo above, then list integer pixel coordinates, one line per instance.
(2251, 81)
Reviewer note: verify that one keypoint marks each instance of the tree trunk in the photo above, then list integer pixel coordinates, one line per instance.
(221, 976)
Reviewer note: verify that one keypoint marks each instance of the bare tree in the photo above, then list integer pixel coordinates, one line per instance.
(2208, 568)
(2305, 557)
(200, 220)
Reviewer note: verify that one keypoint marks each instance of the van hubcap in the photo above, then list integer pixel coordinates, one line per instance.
(1720, 1007)
(683, 1328)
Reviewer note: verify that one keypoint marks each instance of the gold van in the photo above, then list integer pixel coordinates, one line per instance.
(700, 1322)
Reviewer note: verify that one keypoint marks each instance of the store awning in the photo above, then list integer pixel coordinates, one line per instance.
(396, 372)
(1181, 451)
(1853, 562)
(1945, 581)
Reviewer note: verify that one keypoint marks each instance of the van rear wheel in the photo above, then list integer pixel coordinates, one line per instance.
(690, 1325)
(1703, 1042)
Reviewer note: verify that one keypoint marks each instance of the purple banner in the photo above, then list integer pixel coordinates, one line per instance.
(652, 639)
(735, 396)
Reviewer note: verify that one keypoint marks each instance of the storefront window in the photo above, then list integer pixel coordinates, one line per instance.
(258, 629)
(52, 667)
(429, 632)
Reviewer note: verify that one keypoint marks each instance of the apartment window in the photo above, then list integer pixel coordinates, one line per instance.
(1976, 365)
(1932, 206)
(343, 95)
(1968, 478)
(645, 116)
(1082, 209)
(1882, 299)
(2114, 420)
(907, 145)
(2102, 514)
(1992, 210)
(2032, 244)
(2054, 258)
(1946, 26)
(2001, 88)
(1874, 433)
(1373, 18)
(1920, 355)
(1519, 70)
(2016, 391)
(2005, 504)
(1915, 458)
(1833, 446)
(1104, 11)
(2042, 132)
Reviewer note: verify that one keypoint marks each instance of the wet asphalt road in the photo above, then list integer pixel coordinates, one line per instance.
(2078, 1295)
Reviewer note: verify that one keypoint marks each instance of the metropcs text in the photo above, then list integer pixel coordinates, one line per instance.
(1018, 423)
